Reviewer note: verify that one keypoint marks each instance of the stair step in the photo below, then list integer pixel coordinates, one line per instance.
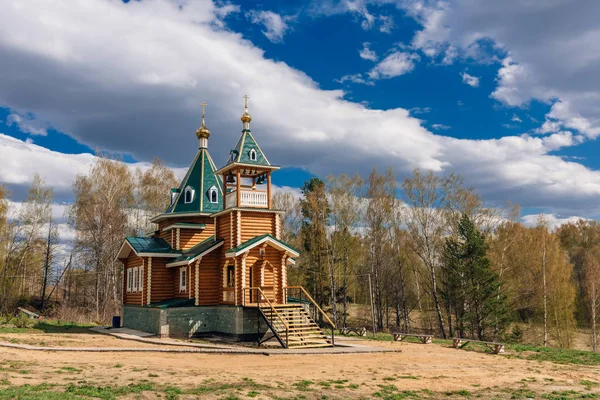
(308, 345)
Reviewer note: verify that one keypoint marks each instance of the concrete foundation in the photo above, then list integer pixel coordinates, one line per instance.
(238, 323)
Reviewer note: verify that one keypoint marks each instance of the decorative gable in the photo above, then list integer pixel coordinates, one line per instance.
(199, 188)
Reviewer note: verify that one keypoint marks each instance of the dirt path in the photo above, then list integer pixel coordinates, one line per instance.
(433, 367)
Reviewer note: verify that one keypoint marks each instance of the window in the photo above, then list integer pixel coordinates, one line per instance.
(230, 275)
(135, 280)
(182, 279)
(141, 276)
(213, 195)
(129, 271)
(188, 195)
(253, 155)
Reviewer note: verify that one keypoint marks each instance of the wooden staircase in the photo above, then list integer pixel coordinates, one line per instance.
(293, 326)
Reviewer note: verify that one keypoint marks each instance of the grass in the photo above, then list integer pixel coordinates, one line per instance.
(557, 356)
(49, 326)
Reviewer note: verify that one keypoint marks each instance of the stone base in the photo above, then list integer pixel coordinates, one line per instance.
(234, 322)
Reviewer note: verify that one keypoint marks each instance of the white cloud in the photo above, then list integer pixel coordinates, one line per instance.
(515, 118)
(552, 220)
(440, 127)
(420, 110)
(387, 24)
(27, 124)
(354, 78)
(276, 26)
(366, 53)
(21, 160)
(470, 80)
(396, 64)
(140, 96)
(549, 49)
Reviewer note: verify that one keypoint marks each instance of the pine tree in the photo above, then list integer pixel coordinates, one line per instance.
(472, 288)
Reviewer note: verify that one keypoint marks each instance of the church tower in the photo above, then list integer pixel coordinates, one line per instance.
(249, 225)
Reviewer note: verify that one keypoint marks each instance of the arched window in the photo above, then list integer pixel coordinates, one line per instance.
(253, 155)
(213, 195)
(188, 195)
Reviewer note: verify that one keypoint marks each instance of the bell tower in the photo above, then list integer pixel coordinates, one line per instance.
(255, 257)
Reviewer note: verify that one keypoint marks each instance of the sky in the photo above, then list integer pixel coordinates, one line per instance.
(505, 94)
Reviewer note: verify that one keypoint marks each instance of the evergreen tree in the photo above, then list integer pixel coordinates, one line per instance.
(472, 289)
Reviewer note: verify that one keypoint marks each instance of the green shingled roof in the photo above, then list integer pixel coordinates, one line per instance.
(243, 148)
(150, 245)
(201, 179)
(200, 248)
(249, 243)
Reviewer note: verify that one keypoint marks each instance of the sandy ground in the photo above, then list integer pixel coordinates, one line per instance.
(434, 367)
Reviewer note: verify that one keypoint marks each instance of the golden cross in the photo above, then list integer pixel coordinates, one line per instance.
(246, 101)
(203, 104)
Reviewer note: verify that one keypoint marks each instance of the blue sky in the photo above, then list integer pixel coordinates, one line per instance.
(491, 93)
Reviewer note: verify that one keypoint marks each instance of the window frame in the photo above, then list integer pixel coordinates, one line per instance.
(252, 155)
(211, 191)
(191, 191)
(183, 278)
(129, 280)
(135, 276)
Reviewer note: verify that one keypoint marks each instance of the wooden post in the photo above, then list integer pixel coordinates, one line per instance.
(372, 309)
(269, 190)
(224, 191)
(238, 183)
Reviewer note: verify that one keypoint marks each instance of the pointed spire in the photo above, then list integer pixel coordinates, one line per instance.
(246, 118)
(203, 133)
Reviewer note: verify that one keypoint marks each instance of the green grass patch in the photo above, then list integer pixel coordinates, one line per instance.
(71, 369)
(303, 385)
(588, 384)
(109, 392)
(569, 395)
(557, 356)
(48, 326)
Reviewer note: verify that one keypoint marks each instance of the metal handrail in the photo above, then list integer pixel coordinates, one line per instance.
(272, 309)
(314, 303)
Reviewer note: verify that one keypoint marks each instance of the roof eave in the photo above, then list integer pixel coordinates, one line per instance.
(275, 243)
(238, 164)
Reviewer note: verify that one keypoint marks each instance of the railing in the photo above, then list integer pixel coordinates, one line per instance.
(302, 294)
(270, 315)
(267, 293)
(248, 198)
(229, 295)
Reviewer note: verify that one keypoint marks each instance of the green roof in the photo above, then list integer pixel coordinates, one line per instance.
(200, 248)
(150, 245)
(201, 179)
(256, 239)
(243, 148)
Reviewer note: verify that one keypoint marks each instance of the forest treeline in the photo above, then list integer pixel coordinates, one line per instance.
(427, 254)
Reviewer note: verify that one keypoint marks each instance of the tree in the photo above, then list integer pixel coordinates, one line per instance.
(315, 213)
(379, 218)
(471, 286)
(345, 194)
(592, 290)
(153, 188)
(103, 200)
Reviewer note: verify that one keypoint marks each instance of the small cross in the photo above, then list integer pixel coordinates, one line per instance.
(203, 104)
(246, 101)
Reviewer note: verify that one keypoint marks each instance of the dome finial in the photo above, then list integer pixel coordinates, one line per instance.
(203, 133)
(246, 118)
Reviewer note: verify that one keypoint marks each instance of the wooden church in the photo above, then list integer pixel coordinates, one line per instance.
(216, 264)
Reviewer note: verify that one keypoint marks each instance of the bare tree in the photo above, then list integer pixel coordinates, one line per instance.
(103, 199)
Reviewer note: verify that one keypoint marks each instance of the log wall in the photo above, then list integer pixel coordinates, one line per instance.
(162, 280)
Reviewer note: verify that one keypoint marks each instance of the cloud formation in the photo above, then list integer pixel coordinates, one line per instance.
(128, 77)
(275, 25)
(470, 80)
(396, 64)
